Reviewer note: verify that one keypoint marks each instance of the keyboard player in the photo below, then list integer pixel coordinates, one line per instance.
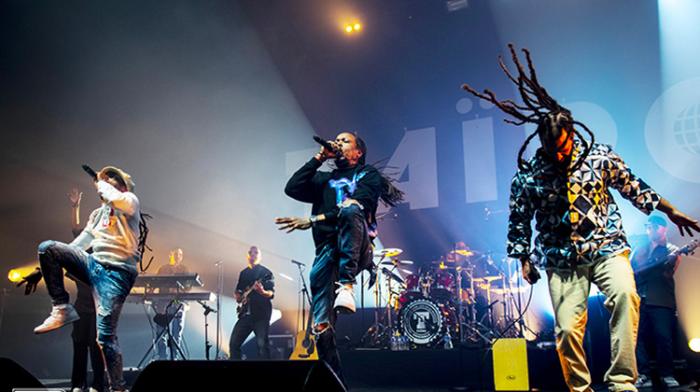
(170, 310)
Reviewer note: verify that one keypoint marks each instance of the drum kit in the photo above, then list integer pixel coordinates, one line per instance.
(465, 296)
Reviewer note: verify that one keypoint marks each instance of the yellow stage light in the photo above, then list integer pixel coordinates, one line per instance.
(694, 344)
(348, 29)
(14, 275)
(357, 27)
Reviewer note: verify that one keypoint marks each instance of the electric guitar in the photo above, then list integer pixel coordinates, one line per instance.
(242, 308)
(666, 262)
(687, 249)
(305, 347)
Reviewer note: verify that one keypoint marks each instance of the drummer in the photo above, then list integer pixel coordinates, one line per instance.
(459, 255)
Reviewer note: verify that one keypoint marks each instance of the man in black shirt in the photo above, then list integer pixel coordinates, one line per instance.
(174, 311)
(654, 271)
(344, 203)
(254, 292)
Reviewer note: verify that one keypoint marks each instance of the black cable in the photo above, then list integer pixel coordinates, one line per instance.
(500, 336)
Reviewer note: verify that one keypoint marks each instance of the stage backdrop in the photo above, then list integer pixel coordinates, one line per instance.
(212, 105)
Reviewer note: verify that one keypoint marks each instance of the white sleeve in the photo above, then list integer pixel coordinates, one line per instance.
(84, 239)
(123, 201)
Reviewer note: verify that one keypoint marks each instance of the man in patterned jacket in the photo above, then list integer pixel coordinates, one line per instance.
(580, 240)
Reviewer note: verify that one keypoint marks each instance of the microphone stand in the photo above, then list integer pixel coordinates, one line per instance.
(207, 345)
(304, 293)
(219, 292)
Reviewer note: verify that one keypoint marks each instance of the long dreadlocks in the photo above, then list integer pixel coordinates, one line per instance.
(391, 195)
(143, 236)
(538, 107)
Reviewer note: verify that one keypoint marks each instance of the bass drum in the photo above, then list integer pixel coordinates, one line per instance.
(422, 322)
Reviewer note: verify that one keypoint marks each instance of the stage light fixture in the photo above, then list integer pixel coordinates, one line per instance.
(351, 28)
(14, 275)
(694, 344)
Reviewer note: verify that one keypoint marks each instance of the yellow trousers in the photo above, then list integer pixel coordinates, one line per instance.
(569, 290)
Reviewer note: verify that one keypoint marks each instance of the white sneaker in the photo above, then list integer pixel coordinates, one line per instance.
(60, 315)
(643, 381)
(671, 382)
(344, 299)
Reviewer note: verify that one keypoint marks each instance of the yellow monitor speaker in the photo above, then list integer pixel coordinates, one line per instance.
(510, 365)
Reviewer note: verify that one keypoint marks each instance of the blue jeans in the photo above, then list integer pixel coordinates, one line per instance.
(338, 261)
(110, 287)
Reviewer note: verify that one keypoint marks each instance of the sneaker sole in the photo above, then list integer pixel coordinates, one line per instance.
(42, 331)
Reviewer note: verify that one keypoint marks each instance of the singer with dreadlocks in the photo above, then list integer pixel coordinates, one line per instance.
(344, 203)
(116, 233)
(580, 240)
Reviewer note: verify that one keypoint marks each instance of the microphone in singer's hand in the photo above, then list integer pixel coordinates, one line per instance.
(90, 172)
(326, 145)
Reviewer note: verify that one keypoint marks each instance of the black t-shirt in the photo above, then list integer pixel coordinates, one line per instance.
(362, 183)
(654, 276)
(259, 306)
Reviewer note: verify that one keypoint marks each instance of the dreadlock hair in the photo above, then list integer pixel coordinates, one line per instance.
(143, 236)
(538, 107)
(362, 146)
(391, 195)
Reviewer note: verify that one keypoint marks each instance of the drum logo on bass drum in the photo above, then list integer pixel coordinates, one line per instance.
(421, 321)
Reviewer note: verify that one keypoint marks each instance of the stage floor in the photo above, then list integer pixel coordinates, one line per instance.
(458, 369)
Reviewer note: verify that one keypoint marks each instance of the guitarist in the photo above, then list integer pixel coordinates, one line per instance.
(654, 270)
(254, 292)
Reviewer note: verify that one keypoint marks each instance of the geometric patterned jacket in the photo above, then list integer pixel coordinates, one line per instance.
(577, 220)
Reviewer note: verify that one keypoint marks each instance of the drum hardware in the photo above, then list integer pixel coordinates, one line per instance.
(378, 334)
(472, 296)
(387, 253)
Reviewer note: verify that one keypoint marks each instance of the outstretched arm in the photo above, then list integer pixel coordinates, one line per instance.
(646, 199)
(123, 201)
(685, 223)
(75, 196)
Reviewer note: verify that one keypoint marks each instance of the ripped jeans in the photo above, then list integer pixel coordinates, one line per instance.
(338, 261)
(110, 287)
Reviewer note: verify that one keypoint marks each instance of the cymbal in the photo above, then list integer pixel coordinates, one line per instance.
(394, 262)
(448, 264)
(486, 279)
(388, 252)
(462, 252)
(392, 275)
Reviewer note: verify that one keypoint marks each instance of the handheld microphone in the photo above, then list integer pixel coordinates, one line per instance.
(325, 144)
(90, 172)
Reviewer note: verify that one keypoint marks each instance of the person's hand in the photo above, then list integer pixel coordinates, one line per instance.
(348, 202)
(293, 223)
(324, 154)
(258, 287)
(684, 222)
(530, 273)
(32, 280)
(75, 196)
